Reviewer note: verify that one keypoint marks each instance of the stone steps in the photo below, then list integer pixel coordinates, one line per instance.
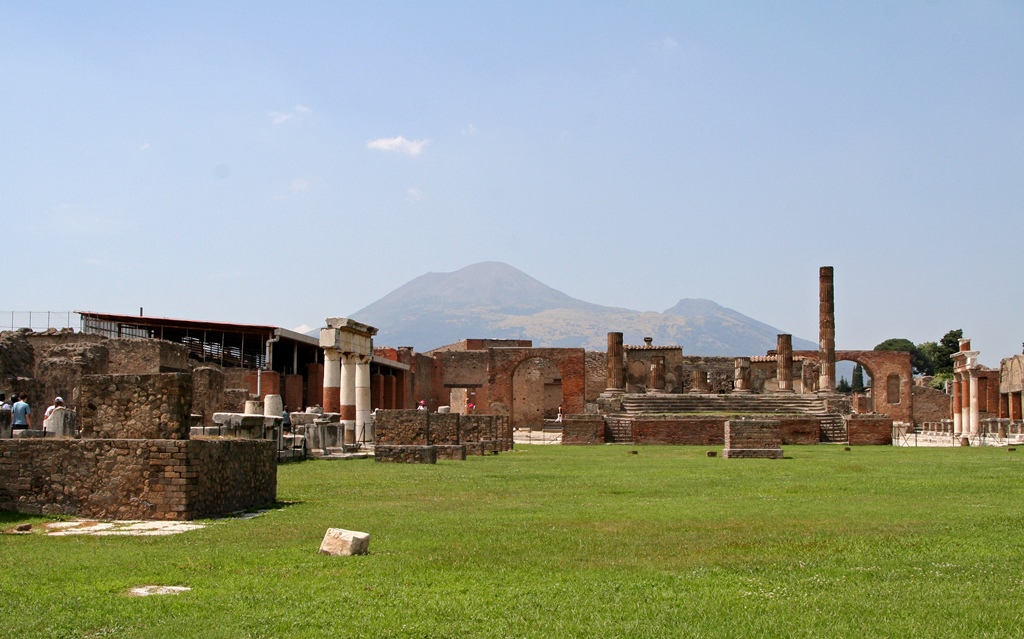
(725, 403)
(619, 431)
(833, 429)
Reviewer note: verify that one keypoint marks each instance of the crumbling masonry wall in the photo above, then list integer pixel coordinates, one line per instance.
(136, 406)
(136, 479)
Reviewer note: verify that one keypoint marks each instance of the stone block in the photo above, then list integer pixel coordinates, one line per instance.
(451, 451)
(339, 542)
(405, 454)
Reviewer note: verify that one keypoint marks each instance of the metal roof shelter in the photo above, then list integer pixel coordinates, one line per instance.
(231, 345)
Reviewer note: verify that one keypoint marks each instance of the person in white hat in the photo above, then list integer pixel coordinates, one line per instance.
(57, 403)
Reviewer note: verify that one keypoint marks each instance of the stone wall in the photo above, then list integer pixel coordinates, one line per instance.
(931, 405)
(753, 438)
(406, 454)
(869, 430)
(134, 356)
(583, 429)
(679, 431)
(443, 428)
(801, 431)
(208, 393)
(136, 479)
(596, 366)
(401, 427)
(136, 406)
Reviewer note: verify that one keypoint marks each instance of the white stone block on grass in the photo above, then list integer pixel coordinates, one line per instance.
(339, 542)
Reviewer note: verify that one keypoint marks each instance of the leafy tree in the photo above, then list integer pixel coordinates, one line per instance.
(857, 385)
(921, 364)
(940, 379)
(843, 386)
(942, 356)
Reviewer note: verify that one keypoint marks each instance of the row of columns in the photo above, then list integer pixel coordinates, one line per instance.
(347, 389)
(966, 407)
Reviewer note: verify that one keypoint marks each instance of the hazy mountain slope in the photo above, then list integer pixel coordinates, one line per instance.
(495, 300)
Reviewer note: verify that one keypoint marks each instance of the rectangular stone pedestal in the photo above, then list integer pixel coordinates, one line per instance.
(451, 451)
(753, 438)
(406, 454)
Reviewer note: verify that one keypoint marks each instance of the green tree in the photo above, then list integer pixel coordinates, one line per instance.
(843, 386)
(920, 364)
(857, 385)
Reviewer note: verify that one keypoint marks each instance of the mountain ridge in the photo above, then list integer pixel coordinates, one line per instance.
(496, 300)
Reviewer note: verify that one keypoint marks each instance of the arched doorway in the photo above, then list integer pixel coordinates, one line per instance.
(536, 393)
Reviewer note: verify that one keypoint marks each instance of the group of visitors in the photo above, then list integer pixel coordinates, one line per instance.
(21, 412)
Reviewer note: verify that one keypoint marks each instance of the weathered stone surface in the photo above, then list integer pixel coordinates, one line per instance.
(136, 406)
(745, 438)
(583, 430)
(61, 423)
(136, 479)
(339, 542)
(452, 451)
(405, 454)
(869, 430)
(402, 427)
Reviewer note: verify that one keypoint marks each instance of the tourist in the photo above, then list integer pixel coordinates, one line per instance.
(559, 418)
(3, 402)
(57, 403)
(21, 413)
(469, 407)
(286, 421)
(422, 405)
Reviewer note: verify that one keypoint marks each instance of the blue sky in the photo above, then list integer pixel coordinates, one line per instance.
(272, 162)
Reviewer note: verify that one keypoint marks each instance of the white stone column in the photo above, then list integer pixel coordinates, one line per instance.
(362, 393)
(348, 397)
(965, 405)
(975, 412)
(958, 423)
(332, 381)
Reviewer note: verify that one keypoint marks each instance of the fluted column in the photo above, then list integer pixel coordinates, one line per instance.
(615, 362)
(332, 381)
(784, 363)
(362, 398)
(826, 330)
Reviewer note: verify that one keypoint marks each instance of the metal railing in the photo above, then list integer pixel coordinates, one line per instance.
(38, 320)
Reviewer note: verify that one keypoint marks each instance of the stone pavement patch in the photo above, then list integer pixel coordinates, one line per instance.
(145, 591)
(127, 527)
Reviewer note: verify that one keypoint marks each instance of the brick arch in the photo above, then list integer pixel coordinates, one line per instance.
(571, 362)
(881, 366)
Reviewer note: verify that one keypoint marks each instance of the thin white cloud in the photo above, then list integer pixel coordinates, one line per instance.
(278, 117)
(303, 328)
(413, 195)
(669, 44)
(469, 129)
(398, 144)
(298, 185)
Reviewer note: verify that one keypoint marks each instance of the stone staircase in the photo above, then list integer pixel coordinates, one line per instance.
(833, 428)
(619, 431)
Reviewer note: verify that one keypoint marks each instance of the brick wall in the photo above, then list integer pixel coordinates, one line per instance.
(136, 479)
(869, 430)
(680, 431)
(931, 405)
(760, 438)
(207, 392)
(800, 431)
(583, 429)
(136, 406)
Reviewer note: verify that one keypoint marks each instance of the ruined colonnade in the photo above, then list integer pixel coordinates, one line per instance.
(348, 351)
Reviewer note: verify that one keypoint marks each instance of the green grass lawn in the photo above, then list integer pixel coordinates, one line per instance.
(551, 541)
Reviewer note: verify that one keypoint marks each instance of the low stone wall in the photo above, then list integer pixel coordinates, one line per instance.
(405, 454)
(472, 428)
(679, 431)
(136, 479)
(583, 429)
(401, 427)
(443, 428)
(869, 430)
(456, 452)
(136, 406)
(800, 431)
(753, 438)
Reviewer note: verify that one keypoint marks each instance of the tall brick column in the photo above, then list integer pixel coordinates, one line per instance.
(615, 362)
(826, 330)
(974, 412)
(332, 381)
(784, 363)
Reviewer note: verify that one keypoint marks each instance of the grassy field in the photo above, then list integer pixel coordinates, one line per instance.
(551, 541)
